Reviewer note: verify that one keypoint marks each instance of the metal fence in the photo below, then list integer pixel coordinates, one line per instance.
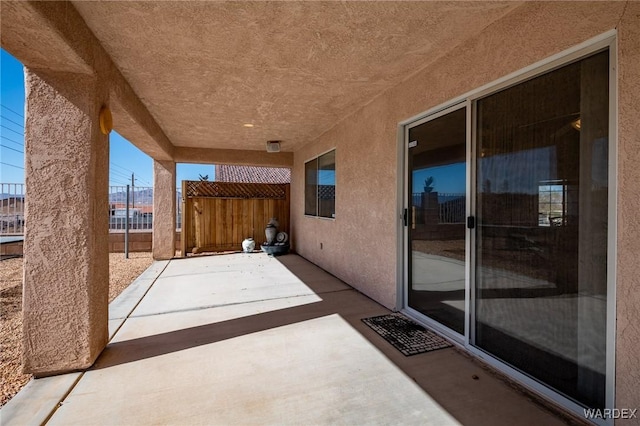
(11, 208)
(137, 202)
(140, 203)
(451, 206)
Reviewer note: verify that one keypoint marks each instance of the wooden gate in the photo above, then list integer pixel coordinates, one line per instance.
(218, 216)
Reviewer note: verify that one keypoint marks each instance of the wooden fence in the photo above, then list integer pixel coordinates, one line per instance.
(218, 216)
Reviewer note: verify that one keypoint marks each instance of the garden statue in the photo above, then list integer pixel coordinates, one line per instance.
(277, 242)
(271, 231)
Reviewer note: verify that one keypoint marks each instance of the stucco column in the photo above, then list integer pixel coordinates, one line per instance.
(66, 252)
(164, 209)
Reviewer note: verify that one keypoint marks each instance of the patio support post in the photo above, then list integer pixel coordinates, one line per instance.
(66, 252)
(164, 209)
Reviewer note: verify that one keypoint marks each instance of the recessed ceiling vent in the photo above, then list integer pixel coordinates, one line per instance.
(273, 146)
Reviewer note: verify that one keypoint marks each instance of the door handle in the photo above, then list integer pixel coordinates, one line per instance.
(471, 222)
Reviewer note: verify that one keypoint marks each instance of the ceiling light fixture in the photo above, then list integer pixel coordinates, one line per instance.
(247, 125)
(576, 124)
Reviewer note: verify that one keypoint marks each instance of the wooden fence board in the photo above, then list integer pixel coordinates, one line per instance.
(216, 219)
(228, 223)
(219, 217)
(184, 224)
(247, 220)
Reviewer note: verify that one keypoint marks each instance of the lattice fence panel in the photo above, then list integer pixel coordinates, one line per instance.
(235, 190)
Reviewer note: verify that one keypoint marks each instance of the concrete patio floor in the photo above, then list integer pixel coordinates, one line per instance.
(251, 339)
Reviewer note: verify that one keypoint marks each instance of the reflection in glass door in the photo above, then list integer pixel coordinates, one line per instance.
(436, 218)
(537, 255)
(541, 244)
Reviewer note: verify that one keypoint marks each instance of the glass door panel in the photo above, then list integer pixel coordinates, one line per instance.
(437, 213)
(541, 241)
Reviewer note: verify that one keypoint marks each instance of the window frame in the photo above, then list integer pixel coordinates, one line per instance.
(316, 159)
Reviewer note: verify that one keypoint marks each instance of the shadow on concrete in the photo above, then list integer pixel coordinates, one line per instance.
(466, 389)
(347, 303)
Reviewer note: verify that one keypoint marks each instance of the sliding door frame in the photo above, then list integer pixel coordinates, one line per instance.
(406, 309)
(469, 100)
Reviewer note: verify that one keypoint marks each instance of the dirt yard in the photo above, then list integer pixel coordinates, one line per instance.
(121, 273)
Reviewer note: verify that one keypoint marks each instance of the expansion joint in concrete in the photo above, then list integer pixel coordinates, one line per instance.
(139, 301)
(62, 398)
(223, 305)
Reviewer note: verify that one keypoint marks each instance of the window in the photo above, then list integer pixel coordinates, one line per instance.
(557, 201)
(320, 186)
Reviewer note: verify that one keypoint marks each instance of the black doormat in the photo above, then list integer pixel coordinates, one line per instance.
(405, 335)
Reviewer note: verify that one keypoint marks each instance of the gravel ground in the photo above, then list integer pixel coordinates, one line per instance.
(121, 273)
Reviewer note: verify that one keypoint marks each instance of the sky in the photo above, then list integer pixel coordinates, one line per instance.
(450, 179)
(124, 158)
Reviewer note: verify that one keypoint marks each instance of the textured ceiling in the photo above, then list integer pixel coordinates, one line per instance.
(293, 69)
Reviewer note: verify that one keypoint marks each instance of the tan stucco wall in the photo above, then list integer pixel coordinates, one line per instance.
(66, 261)
(360, 246)
(164, 209)
(139, 241)
(628, 269)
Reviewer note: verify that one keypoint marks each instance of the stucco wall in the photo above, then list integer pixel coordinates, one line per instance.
(66, 261)
(138, 241)
(164, 209)
(628, 257)
(360, 246)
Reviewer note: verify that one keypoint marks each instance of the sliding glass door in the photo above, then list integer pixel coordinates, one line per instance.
(437, 208)
(524, 278)
(541, 241)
